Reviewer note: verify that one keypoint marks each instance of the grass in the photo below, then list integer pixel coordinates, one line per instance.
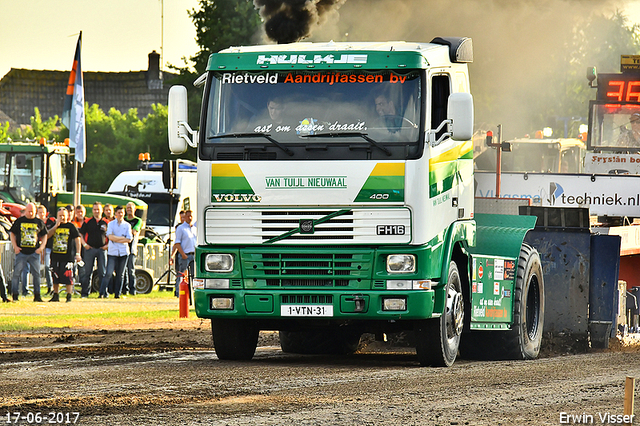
(154, 310)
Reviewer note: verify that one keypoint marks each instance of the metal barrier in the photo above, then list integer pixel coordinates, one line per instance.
(152, 262)
(6, 260)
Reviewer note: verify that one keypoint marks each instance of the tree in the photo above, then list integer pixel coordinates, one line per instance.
(599, 42)
(47, 129)
(220, 24)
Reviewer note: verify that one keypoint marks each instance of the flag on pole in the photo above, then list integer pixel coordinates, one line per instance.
(73, 111)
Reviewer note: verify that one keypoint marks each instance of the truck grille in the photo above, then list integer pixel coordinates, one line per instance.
(257, 226)
(291, 299)
(292, 269)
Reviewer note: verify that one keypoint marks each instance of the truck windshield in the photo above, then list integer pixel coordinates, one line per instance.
(22, 177)
(308, 115)
(614, 127)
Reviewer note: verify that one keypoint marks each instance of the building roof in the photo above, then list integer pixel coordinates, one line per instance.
(22, 90)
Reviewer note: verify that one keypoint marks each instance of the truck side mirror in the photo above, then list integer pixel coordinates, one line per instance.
(460, 112)
(178, 115)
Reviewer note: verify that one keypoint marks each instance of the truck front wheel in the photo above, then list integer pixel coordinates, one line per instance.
(437, 340)
(234, 340)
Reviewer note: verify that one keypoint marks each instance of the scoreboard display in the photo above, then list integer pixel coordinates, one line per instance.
(619, 88)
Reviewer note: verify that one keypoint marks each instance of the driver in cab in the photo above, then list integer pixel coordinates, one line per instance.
(386, 110)
(274, 121)
(631, 138)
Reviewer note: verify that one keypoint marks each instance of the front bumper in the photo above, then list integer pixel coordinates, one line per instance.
(345, 305)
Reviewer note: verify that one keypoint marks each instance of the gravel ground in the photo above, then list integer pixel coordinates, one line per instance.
(168, 374)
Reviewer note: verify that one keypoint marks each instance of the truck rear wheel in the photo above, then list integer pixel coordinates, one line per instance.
(234, 340)
(524, 339)
(335, 341)
(437, 340)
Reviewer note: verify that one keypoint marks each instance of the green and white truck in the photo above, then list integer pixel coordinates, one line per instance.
(335, 198)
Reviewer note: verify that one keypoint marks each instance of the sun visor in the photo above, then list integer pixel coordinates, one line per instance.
(460, 48)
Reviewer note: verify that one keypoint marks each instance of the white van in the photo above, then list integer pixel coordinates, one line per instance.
(147, 185)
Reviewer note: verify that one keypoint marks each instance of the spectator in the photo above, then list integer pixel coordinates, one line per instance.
(95, 233)
(185, 245)
(63, 235)
(176, 258)
(181, 218)
(108, 213)
(130, 271)
(3, 292)
(3, 287)
(119, 235)
(28, 238)
(80, 216)
(49, 222)
(24, 278)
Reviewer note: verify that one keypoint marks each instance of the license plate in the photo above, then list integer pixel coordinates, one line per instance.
(306, 310)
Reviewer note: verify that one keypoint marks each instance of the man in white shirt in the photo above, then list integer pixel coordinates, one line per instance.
(186, 239)
(119, 235)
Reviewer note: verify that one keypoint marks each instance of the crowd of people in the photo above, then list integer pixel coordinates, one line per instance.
(71, 244)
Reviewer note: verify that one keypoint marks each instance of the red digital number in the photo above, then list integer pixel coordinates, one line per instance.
(633, 91)
(617, 95)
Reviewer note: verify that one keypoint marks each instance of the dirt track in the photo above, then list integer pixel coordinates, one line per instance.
(168, 376)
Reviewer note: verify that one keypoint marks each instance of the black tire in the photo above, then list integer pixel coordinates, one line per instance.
(234, 340)
(144, 282)
(438, 339)
(95, 283)
(335, 341)
(523, 340)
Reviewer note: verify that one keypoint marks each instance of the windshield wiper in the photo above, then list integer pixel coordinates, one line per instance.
(254, 135)
(349, 134)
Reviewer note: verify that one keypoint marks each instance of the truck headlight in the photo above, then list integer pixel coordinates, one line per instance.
(401, 263)
(218, 262)
(216, 283)
(222, 303)
(210, 283)
(394, 304)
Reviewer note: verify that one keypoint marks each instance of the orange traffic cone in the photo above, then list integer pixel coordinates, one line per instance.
(183, 300)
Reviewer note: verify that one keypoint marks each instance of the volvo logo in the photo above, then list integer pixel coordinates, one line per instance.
(306, 226)
(236, 198)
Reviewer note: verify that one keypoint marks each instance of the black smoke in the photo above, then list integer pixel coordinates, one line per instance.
(287, 21)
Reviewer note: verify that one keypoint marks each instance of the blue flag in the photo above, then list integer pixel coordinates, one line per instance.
(73, 111)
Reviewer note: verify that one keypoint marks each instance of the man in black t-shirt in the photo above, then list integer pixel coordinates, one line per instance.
(49, 221)
(63, 236)
(28, 238)
(95, 248)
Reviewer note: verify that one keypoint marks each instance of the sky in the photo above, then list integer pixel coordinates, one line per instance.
(117, 35)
